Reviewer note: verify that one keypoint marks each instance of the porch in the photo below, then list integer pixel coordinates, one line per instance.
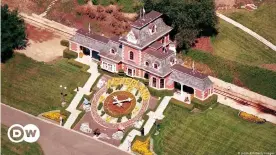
(183, 93)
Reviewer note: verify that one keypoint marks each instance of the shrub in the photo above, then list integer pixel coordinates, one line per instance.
(146, 82)
(121, 72)
(128, 116)
(181, 104)
(139, 99)
(101, 16)
(251, 118)
(91, 14)
(109, 91)
(109, 10)
(100, 9)
(118, 87)
(95, 2)
(69, 54)
(119, 119)
(64, 43)
(102, 113)
(100, 106)
(137, 92)
(78, 64)
(160, 93)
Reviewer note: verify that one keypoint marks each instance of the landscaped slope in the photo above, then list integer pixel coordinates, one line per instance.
(262, 20)
(234, 44)
(23, 148)
(216, 131)
(34, 87)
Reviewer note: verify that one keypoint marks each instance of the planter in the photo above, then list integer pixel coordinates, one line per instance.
(81, 54)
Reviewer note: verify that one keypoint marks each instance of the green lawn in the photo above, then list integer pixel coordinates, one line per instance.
(214, 132)
(127, 5)
(9, 148)
(262, 20)
(254, 78)
(34, 86)
(234, 44)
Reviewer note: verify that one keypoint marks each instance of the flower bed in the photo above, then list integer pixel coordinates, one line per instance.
(53, 116)
(142, 147)
(251, 118)
(117, 111)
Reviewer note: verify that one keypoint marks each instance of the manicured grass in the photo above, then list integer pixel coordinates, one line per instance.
(234, 44)
(262, 20)
(254, 78)
(34, 86)
(127, 5)
(216, 131)
(23, 148)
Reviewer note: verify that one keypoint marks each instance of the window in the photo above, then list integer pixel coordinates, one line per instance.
(162, 83)
(163, 40)
(131, 55)
(153, 29)
(154, 82)
(129, 72)
(147, 63)
(112, 51)
(172, 61)
(155, 66)
(164, 50)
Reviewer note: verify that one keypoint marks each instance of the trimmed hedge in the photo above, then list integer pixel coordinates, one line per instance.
(181, 104)
(160, 93)
(64, 43)
(78, 64)
(100, 106)
(109, 91)
(128, 116)
(102, 113)
(203, 105)
(139, 99)
(119, 119)
(69, 54)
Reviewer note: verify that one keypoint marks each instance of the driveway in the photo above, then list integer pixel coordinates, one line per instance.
(56, 140)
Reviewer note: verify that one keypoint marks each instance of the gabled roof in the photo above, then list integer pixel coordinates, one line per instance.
(143, 21)
(190, 78)
(93, 36)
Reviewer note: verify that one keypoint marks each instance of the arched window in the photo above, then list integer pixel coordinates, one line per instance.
(147, 63)
(153, 29)
(112, 51)
(131, 55)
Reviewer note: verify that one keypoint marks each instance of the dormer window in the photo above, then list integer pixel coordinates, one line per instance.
(147, 63)
(131, 55)
(153, 29)
(156, 65)
(112, 51)
(172, 61)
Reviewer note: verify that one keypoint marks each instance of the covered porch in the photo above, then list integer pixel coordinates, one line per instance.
(183, 93)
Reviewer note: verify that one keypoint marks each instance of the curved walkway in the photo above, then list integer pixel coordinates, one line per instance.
(247, 30)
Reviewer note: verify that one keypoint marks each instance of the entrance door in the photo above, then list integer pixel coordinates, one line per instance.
(154, 82)
(95, 55)
(129, 72)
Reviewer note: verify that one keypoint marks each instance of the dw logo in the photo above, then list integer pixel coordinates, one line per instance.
(29, 133)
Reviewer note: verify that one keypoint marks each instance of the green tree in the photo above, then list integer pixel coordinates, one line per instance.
(189, 18)
(13, 34)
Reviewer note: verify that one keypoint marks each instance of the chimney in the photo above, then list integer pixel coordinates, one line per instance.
(144, 11)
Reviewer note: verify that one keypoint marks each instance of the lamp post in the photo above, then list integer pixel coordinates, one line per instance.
(63, 94)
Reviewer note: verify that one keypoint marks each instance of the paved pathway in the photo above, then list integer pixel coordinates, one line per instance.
(48, 8)
(56, 140)
(76, 100)
(247, 30)
(158, 114)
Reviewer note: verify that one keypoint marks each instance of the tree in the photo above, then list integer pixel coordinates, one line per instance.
(13, 32)
(189, 18)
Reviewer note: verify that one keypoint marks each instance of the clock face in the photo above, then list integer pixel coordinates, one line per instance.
(119, 103)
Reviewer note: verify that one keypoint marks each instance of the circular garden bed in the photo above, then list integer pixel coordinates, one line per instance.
(119, 109)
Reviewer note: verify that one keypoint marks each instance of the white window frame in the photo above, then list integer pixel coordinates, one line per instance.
(129, 55)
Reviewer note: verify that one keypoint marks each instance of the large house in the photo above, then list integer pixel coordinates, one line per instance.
(145, 52)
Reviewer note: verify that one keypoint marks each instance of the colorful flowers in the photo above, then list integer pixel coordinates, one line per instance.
(53, 115)
(142, 147)
(251, 118)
